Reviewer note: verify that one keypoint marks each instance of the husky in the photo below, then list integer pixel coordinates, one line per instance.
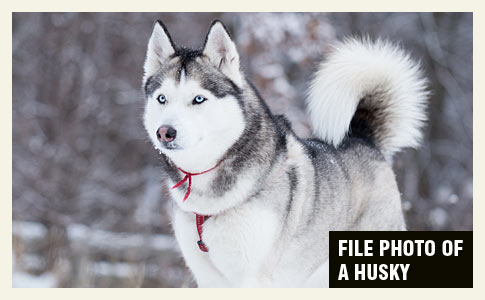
(253, 202)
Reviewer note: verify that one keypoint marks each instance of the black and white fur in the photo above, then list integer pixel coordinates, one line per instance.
(274, 197)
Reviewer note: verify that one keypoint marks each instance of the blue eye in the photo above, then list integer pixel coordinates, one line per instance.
(161, 99)
(199, 99)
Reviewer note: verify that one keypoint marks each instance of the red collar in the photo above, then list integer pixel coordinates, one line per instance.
(199, 219)
(188, 176)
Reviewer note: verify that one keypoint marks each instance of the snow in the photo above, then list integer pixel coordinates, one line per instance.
(96, 238)
(438, 217)
(22, 279)
(82, 236)
(25, 280)
(123, 270)
(28, 230)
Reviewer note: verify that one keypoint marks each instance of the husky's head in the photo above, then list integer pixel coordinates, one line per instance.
(193, 111)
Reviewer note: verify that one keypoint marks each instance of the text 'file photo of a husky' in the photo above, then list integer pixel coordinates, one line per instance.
(254, 203)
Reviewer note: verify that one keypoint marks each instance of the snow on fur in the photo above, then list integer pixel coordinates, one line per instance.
(381, 71)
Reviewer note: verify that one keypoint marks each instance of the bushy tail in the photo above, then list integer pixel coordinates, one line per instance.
(371, 89)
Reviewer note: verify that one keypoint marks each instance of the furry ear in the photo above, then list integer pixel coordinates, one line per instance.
(160, 47)
(222, 52)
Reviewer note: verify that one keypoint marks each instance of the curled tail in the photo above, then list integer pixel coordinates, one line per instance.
(369, 89)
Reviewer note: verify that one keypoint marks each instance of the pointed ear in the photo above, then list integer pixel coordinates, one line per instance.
(222, 52)
(160, 47)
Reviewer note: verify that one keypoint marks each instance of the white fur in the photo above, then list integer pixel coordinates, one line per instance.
(202, 132)
(356, 68)
(240, 241)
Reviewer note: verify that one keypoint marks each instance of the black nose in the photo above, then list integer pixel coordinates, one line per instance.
(166, 133)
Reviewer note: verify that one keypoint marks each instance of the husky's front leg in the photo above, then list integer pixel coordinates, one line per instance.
(242, 242)
(206, 275)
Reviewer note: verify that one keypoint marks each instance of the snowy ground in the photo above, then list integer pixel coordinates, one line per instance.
(91, 248)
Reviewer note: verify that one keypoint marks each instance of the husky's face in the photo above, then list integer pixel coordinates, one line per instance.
(193, 112)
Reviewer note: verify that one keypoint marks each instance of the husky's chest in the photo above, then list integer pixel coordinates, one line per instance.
(239, 243)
